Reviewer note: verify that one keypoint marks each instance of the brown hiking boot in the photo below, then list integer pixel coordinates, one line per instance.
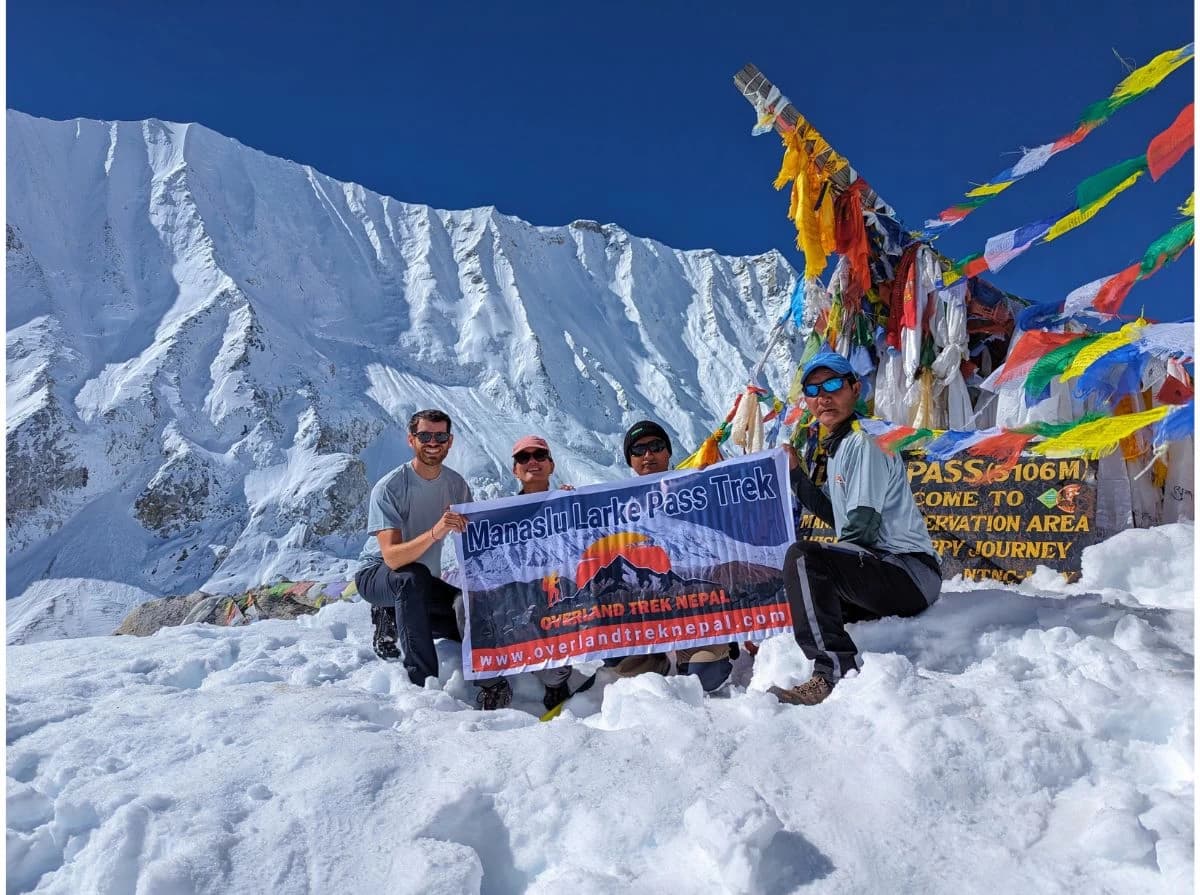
(816, 689)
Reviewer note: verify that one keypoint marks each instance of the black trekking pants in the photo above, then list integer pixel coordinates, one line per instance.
(424, 607)
(831, 585)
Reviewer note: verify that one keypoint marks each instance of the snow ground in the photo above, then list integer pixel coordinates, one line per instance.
(1035, 739)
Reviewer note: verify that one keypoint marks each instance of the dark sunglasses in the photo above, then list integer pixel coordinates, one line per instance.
(537, 454)
(650, 447)
(426, 437)
(829, 386)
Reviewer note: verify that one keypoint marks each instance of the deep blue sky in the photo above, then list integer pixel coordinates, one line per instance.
(625, 111)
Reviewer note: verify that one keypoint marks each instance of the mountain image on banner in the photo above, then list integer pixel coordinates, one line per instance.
(213, 353)
(622, 578)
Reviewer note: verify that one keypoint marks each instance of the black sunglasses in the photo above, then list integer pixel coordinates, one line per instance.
(537, 454)
(426, 437)
(829, 386)
(650, 447)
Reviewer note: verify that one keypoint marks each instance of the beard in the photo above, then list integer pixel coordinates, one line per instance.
(426, 460)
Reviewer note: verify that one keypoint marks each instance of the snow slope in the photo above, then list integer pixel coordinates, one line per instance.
(69, 607)
(1035, 739)
(213, 353)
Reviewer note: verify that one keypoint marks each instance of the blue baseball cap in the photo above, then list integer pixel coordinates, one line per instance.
(828, 360)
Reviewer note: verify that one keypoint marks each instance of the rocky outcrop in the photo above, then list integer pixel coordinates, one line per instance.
(40, 464)
(285, 600)
(162, 613)
(45, 475)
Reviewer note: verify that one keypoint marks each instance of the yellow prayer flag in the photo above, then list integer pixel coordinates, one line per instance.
(990, 189)
(1151, 74)
(1100, 437)
(826, 225)
(833, 161)
(809, 222)
(707, 454)
(1101, 347)
(814, 226)
(793, 160)
(1083, 215)
(1188, 209)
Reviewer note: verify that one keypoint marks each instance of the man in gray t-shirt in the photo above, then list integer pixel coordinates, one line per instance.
(407, 502)
(401, 569)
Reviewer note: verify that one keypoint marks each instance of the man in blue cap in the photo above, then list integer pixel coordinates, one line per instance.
(882, 563)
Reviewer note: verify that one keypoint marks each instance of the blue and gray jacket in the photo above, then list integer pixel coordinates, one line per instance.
(863, 493)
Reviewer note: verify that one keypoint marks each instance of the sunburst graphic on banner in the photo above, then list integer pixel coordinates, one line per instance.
(638, 549)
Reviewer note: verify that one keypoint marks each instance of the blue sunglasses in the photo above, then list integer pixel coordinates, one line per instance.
(829, 386)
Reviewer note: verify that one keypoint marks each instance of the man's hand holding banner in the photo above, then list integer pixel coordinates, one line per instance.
(650, 564)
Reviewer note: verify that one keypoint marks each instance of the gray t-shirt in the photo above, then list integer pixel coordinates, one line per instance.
(405, 501)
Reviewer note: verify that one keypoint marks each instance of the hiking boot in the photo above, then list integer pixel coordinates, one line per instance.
(654, 663)
(556, 694)
(384, 641)
(816, 689)
(497, 696)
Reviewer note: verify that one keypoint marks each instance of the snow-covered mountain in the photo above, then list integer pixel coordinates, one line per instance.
(213, 353)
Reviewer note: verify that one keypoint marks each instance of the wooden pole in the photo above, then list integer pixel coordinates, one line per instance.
(755, 87)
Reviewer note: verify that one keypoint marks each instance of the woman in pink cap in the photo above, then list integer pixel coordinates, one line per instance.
(533, 465)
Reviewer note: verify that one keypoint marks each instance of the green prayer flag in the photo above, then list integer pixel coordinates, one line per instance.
(1098, 112)
(910, 441)
(1169, 246)
(1053, 364)
(960, 266)
(1053, 430)
(973, 203)
(1096, 186)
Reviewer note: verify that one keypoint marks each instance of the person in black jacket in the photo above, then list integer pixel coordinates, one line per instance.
(648, 451)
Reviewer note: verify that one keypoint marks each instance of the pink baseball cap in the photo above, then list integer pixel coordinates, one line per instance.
(530, 443)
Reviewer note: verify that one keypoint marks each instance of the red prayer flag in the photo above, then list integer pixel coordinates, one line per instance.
(896, 296)
(1174, 392)
(976, 267)
(850, 233)
(1172, 144)
(1076, 136)
(1112, 294)
(888, 439)
(1005, 449)
(1029, 348)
